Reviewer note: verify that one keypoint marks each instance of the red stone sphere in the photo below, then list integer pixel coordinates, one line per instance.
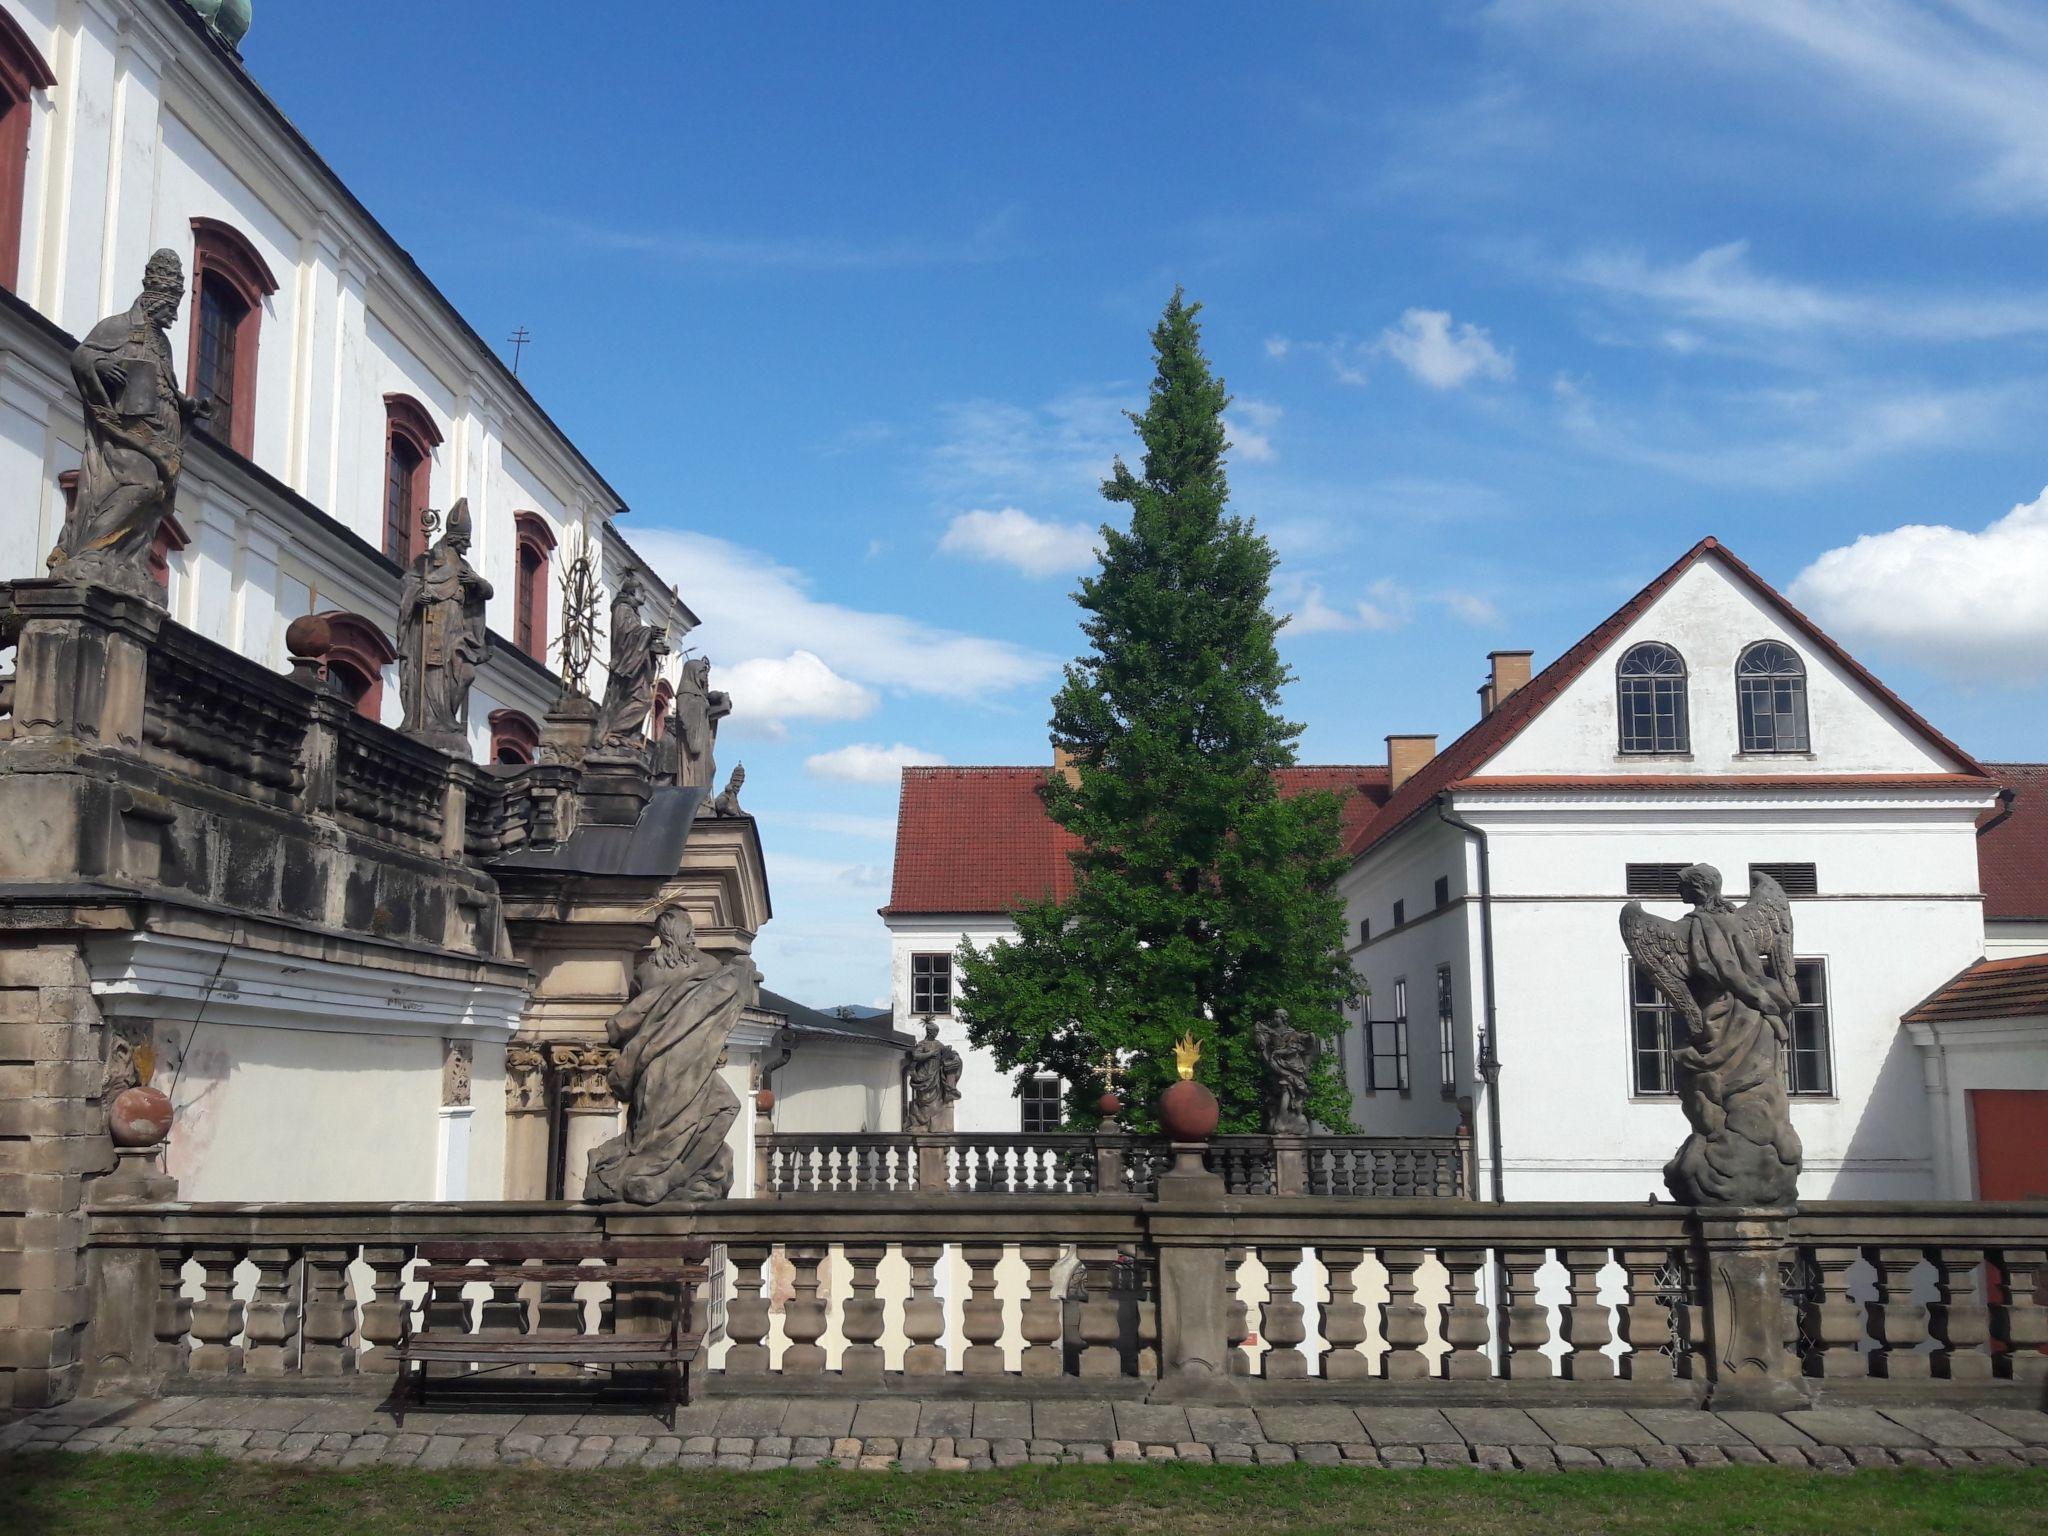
(1109, 1106)
(1189, 1112)
(764, 1100)
(309, 636)
(139, 1117)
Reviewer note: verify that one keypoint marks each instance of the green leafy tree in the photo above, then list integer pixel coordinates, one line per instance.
(1203, 901)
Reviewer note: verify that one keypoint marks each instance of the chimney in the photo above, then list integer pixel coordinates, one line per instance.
(1063, 765)
(1510, 672)
(1405, 756)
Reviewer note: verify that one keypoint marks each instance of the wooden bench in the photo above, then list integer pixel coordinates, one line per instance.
(676, 1267)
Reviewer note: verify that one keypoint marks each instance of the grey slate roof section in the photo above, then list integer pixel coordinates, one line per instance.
(652, 846)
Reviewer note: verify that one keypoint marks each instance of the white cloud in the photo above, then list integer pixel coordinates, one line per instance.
(993, 452)
(808, 872)
(769, 690)
(1442, 355)
(1386, 605)
(866, 762)
(1010, 536)
(1972, 605)
(1473, 608)
(1250, 425)
(880, 829)
(1277, 346)
(754, 607)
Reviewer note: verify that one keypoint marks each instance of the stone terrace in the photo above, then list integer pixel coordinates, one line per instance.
(761, 1433)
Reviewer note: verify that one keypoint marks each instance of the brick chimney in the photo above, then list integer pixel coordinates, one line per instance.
(1510, 672)
(1405, 757)
(1063, 765)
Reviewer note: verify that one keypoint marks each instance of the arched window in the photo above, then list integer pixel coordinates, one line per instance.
(357, 654)
(1770, 696)
(1650, 699)
(514, 737)
(229, 284)
(530, 597)
(664, 703)
(410, 438)
(22, 73)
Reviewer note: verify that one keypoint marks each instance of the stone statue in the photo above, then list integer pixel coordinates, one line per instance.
(931, 1082)
(441, 637)
(1727, 972)
(727, 801)
(637, 649)
(671, 1038)
(135, 421)
(1287, 1054)
(699, 708)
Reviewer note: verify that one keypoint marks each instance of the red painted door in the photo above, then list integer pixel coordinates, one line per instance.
(2010, 1129)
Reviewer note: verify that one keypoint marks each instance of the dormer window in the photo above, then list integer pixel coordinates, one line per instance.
(1770, 693)
(1650, 699)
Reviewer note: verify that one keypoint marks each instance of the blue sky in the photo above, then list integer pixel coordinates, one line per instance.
(1517, 300)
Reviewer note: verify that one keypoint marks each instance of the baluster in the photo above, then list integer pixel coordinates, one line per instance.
(924, 1314)
(1586, 1326)
(217, 1316)
(2019, 1319)
(1897, 1322)
(981, 1315)
(1405, 1321)
(1645, 1320)
(1960, 1319)
(1344, 1318)
(1236, 1315)
(271, 1316)
(803, 1319)
(173, 1316)
(1528, 1326)
(861, 1320)
(1834, 1324)
(746, 1310)
(1466, 1325)
(503, 1312)
(1100, 1323)
(1284, 1321)
(447, 1309)
(330, 1317)
(1039, 1318)
(384, 1313)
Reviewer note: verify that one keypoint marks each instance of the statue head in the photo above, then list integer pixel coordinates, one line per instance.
(628, 590)
(675, 932)
(457, 535)
(1700, 884)
(163, 287)
(697, 674)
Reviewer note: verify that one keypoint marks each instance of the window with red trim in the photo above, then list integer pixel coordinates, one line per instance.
(410, 438)
(530, 595)
(664, 702)
(22, 73)
(514, 737)
(356, 656)
(230, 281)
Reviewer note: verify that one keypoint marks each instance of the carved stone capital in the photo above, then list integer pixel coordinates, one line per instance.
(456, 1058)
(583, 1071)
(526, 1089)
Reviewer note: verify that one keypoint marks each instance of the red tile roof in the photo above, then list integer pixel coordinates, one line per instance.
(1990, 989)
(1471, 751)
(978, 840)
(2012, 845)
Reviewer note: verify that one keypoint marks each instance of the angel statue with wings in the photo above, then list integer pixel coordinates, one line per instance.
(1727, 972)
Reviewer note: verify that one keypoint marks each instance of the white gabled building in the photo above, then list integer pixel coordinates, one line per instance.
(1705, 721)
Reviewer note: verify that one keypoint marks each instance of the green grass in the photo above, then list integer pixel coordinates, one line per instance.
(62, 1494)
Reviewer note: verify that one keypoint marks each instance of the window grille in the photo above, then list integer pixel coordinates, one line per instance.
(931, 984)
(1446, 1039)
(1042, 1108)
(1770, 692)
(1650, 700)
(1655, 1028)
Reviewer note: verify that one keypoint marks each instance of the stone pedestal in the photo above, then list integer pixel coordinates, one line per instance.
(1750, 1362)
(569, 730)
(615, 789)
(121, 1353)
(1194, 1345)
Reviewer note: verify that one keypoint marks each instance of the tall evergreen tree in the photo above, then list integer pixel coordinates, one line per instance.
(1203, 901)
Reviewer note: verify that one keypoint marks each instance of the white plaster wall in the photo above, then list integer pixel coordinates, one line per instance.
(2003, 940)
(988, 1099)
(827, 1086)
(1710, 618)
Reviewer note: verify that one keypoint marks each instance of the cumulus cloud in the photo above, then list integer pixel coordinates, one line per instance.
(866, 762)
(754, 607)
(1250, 425)
(1973, 605)
(1013, 537)
(1277, 346)
(1444, 355)
(993, 452)
(1472, 607)
(768, 690)
(1386, 605)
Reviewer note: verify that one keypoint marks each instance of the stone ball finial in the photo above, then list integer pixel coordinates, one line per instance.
(309, 637)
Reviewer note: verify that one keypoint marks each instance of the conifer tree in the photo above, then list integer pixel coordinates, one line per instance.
(1203, 900)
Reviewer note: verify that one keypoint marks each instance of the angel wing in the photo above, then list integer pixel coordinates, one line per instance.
(1766, 920)
(1659, 947)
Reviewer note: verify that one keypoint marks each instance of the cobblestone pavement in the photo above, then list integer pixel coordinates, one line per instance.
(765, 1432)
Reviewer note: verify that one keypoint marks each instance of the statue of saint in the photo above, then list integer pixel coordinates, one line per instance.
(931, 1082)
(1287, 1054)
(135, 421)
(1727, 972)
(699, 708)
(441, 637)
(637, 649)
(671, 1038)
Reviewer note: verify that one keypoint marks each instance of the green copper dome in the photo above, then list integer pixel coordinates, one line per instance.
(229, 18)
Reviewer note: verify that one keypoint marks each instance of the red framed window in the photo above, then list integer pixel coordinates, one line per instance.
(230, 281)
(530, 595)
(514, 737)
(23, 72)
(410, 438)
(664, 705)
(357, 654)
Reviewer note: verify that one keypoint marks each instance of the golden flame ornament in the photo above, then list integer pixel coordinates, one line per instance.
(1187, 1051)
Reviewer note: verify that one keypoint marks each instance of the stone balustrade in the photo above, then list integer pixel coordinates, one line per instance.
(1428, 1300)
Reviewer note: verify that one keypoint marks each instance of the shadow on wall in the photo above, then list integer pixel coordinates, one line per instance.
(1890, 1154)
